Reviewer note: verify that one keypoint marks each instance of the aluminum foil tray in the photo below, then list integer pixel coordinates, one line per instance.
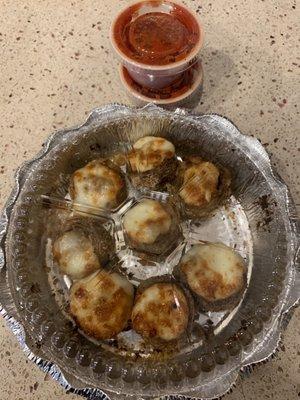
(259, 220)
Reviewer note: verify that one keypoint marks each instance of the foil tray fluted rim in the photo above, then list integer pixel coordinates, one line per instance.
(251, 146)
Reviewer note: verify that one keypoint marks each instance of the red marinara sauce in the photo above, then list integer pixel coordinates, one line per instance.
(156, 38)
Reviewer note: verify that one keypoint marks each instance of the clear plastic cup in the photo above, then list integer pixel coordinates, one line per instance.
(156, 69)
(188, 98)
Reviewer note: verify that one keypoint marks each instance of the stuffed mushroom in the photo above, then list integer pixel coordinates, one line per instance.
(82, 247)
(98, 184)
(215, 274)
(152, 162)
(101, 304)
(150, 226)
(202, 186)
(161, 312)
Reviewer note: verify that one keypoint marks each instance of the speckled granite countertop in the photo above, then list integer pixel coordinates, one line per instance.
(56, 65)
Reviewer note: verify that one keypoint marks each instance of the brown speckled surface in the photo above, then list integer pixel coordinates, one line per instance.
(56, 65)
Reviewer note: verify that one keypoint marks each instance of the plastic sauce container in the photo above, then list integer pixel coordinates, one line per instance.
(183, 92)
(156, 41)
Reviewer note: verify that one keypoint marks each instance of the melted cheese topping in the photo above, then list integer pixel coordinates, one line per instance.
(101, 304)
(213, 271)
(150, 152)
(146, 221)
(200, 182)
(96, 185)
(161, 311)
(75, 255)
